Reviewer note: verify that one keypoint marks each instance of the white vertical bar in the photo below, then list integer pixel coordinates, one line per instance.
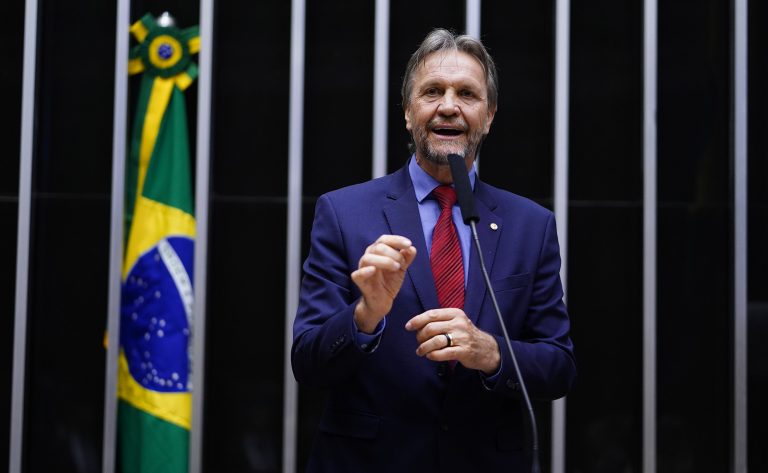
(23, 236)
(562, 78)
(740, 95)
(119, 123)
(293, 247)
(472, 14)
(472, 10)
(380, 89)
(472, 18)
(650, 54)
(202, 203)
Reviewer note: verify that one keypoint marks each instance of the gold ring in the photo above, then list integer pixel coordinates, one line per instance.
(449, 339)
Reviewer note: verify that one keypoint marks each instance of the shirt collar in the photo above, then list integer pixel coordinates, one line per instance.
(424, 184)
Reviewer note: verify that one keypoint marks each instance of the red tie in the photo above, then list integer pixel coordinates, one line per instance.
(445, 255)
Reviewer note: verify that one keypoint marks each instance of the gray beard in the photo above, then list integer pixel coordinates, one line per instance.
(426, 151)
(436, 157)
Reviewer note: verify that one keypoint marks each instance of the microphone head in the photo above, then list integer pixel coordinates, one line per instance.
(463, 188)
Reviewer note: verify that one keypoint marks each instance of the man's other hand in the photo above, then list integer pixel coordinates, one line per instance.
(464, 342)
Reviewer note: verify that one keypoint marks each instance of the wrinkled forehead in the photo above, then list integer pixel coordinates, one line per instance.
(452, 60)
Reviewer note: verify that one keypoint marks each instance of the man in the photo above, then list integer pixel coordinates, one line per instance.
(394, 318)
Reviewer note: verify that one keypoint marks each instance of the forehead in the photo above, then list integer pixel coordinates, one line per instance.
(450, 65)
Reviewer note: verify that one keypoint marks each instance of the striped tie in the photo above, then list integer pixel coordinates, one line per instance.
(445, 255)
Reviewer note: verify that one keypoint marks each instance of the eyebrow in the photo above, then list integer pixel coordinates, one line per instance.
(440, 83)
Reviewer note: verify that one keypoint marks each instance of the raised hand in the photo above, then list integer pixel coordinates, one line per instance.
(379, 275)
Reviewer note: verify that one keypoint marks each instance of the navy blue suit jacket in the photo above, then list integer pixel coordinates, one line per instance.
(391, 410)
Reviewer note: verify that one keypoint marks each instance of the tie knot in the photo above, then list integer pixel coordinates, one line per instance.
(445, 195)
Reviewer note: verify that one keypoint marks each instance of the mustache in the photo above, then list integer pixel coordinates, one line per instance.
(458, 123)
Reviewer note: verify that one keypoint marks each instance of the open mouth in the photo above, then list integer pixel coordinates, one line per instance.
(447, 131)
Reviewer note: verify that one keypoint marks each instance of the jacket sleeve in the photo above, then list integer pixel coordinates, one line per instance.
(324, 350)
(544, 351)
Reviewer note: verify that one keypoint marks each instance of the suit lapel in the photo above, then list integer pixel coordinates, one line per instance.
(489, 239)
(402, 214)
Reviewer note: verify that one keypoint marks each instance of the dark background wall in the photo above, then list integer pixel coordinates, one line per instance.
(248, 205)
(695, 296)
(11, 49)
(757, 290)
(605, 262)
(69, 237)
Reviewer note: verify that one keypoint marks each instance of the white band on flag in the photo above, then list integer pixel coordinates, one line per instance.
(179, 275)
(183, 286)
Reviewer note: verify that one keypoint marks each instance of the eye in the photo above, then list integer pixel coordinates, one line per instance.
(432, 92)
(466, 93)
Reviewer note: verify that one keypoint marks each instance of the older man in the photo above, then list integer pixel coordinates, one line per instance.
(394, 318)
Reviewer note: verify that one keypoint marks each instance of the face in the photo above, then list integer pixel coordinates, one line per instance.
(448, 109)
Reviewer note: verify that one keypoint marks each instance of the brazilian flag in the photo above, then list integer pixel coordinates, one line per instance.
(154, 374)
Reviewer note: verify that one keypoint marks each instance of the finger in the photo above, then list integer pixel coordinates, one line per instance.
(433, 329)
(409, 254)
(381, 262)
(382, 249)
(363, 274)
(438, 342)
(418, 322)
(395, 241)
(445, 354)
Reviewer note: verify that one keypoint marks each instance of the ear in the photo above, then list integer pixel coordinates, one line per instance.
(408, 119)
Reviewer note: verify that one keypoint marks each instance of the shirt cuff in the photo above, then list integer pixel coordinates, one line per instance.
(369, 342)
(490, 381)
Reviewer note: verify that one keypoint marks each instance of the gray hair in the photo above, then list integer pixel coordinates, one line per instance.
(441, 39)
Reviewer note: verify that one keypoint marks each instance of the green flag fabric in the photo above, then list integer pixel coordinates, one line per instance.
(155, 370)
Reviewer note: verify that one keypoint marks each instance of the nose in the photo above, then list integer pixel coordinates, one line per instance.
(449, 105)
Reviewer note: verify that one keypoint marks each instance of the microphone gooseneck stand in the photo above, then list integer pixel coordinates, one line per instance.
(535, 468)
(470, 216)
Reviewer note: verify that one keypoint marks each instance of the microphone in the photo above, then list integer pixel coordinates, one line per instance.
(469, 213)
(463, 189)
